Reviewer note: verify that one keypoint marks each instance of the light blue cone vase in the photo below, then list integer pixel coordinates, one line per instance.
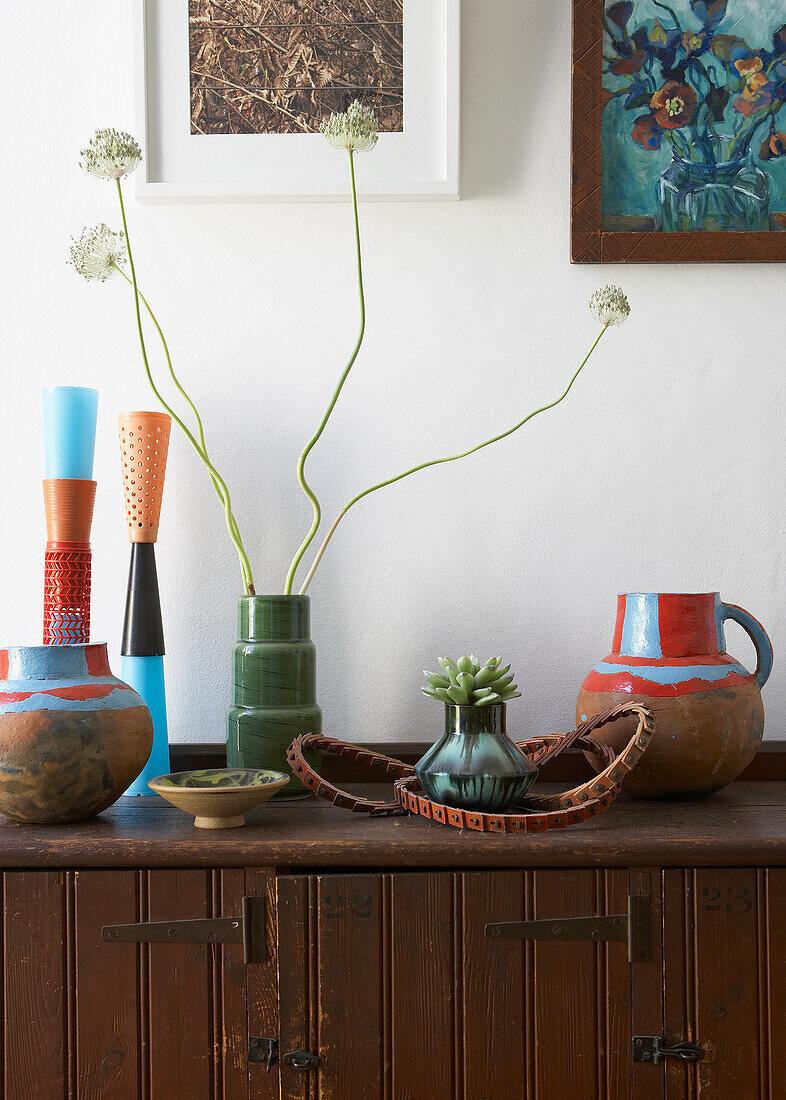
(70, 414)
(146, 676)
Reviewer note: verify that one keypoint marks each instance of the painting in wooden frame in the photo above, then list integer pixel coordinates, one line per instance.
(679, 149)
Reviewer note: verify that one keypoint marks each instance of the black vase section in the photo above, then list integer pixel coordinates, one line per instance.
(143, 632)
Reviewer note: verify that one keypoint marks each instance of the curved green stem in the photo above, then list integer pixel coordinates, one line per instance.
(217, 482)
(245, 565)
(671, 12)
(301, 466)
(439, 462)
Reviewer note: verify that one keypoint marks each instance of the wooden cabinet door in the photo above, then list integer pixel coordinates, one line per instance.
(725, 982)
(85, 1019)
(391, 981)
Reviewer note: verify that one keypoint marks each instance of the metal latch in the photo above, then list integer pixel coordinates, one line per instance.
(248, 929)
(650, 1048)
(266, 1051)
(263, 1050)
(632, 928)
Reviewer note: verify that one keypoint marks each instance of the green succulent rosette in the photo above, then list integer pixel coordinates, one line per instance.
(468, 683)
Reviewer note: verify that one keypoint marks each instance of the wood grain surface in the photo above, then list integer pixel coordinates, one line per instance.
(723, 937)
(743, 825)
(90, 1020)
(35, 984)
(389, 978)
(403, 996)
(106, 986)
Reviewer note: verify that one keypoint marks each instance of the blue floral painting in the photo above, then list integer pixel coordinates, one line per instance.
(691, 134)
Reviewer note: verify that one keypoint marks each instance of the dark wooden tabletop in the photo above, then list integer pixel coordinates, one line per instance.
(745, 824)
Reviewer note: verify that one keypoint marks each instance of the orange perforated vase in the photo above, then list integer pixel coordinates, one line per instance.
(144, 442)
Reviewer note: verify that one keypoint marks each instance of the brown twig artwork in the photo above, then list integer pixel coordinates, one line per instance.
(280, 66)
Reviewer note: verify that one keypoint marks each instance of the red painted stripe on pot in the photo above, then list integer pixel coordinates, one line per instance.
(97, 660)
(86, 691)
(615, 645)
(76, 694)
(670, 662)
(3, 664)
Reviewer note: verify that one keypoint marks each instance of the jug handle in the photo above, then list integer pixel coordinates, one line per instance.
(758, 636)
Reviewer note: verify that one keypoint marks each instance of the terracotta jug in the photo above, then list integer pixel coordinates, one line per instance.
(669, 652)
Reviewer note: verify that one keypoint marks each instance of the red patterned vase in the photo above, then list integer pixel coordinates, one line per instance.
(72, 736)
(669, 652)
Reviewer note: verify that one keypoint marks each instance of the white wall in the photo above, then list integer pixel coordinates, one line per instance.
(663, 471)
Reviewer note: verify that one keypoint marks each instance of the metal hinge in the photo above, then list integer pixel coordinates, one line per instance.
(632, 928)
(248, 929)
(265, 1051)
(650, 1048)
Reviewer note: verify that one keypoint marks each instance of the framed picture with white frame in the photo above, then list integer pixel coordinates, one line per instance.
(231, 93)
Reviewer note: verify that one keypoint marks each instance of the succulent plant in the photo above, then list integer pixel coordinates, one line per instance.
(466, 682)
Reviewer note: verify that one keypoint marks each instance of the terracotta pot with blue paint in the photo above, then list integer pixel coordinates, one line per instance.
(669, 652)
(72, 736)
(474, 765)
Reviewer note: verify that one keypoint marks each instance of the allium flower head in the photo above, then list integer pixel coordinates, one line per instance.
(610, 306)
(97, 252)
(354, 129)
(110, 155)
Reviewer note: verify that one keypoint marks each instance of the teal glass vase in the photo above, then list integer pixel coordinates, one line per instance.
(474, 765)
(274, 686)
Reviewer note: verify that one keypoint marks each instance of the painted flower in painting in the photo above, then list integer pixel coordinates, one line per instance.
(658, 35)
(774, 146)
(710, 12)
(620, 13)
(674, 105)
(756, 92)
(637, 94)
(726, 46)
(647, 132)
(627, 65)
(748, 67)
(693, 42)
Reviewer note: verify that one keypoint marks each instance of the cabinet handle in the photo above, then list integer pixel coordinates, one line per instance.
(301, 1059)
(632, 928)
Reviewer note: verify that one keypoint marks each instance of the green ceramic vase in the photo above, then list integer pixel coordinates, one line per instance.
(274, 686)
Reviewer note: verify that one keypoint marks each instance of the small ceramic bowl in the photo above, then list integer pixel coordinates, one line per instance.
(219, 797)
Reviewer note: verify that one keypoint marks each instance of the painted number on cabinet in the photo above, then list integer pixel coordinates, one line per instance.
(735, 899)
(360, 907)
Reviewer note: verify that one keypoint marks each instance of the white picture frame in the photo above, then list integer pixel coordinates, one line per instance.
(421, 163)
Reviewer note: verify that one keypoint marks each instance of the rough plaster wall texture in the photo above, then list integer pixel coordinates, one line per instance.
(663, 471)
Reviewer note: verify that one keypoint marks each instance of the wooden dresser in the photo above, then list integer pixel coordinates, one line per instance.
(369, 951)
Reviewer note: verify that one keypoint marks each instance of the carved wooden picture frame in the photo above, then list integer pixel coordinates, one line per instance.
(603, 236)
